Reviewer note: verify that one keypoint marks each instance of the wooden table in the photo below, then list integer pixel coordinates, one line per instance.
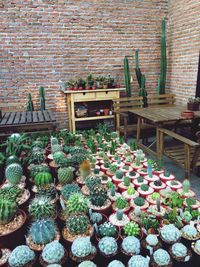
(27, 121)
(160, 117)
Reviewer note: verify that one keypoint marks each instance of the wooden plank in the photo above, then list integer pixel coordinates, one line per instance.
(51, 115)
(40, 116)
(17, 118)
(35, 116)
(23, 117)
(11, 118)
(5, 118)
(46, 115)
(29, 117)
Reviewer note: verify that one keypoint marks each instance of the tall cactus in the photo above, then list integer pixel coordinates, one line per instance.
(127, 77)
(42, 97)
(163, 62)
(143, 91)
(30, 106)
(137, 69)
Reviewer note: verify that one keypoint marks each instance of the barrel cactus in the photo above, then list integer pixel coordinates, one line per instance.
(87, 264)
(170, 233)
(108, 246)
(161, 257)
(37, 156)
(77, 224)
(14, 173)
(59, 157)
(82, 247)
(12, 159)
(54, 141)
(98, 196)
(179, 250)
(119, 174)
(35, 169)
(53, 252)
(131, 229)
(43, 179)
(48, 191)
(21, 256)
(56, 148)
(77, 203)
(92, 181)
(43, 231)
(69, 189)
(138, 261)
(8, 210)
(131, 245)
(41, 208)
(65, 175)
(116, 263)
(107, 229)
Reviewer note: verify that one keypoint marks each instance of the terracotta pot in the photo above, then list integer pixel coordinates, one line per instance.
(106, 111)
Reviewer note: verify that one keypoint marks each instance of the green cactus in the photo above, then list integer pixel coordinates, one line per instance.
(98, 196)
(144, 187)
(131, 229)
(43, 231)
(8, 210)
(186, 186)
(14, 173)
(54, 141)
(107, 229)
(77, 224)
(35, 169)
(143, 91)
(78, 158)
(77, 203)
(59, 158)
(137, 69)
(92, 181)
(127, 77)
(43, 179)
(65, 175)
(119, 215)
(96, 217)
(163, 64)
(49, 192)
(30, 106)
(37, 157)
(139, 201)
(127, 181)
(21, 256)
(41, 208)
(121, 203)
(119, 174)
(56, 148)
(42, 97)
(12, 159)
(13, 193)
(69, 189)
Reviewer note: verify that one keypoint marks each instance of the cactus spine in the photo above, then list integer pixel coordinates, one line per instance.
(30, 103)
(42, 97)
(127, 77)
(163, 63)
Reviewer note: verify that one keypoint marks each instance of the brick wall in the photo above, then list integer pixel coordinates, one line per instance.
(43, 41)
(183, 47)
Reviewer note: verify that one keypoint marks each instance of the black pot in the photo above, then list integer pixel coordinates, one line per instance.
(193, 106)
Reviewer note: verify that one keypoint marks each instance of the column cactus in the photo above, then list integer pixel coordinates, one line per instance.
(127, 77)
(163, 62)
(143, 91)
(137, 69)
(30, 106)
(42, 97)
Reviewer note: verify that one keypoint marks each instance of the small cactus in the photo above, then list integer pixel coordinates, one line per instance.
(131, 245)
(121, 203)
(43, 179)
(131, 229)
(77, 224)
(98, 196)
(107, 229)
(108, 246)
(8, 210)
(53, 252)
(96, 217)
(14, 173)
(138, 261)
(116, 263)
(77, 203)
(21, 256)
(186, 186)
(82, 247)
(92, 181)
(85, 169)
(69, 189)
(119, 215)
(65, 175)
(41, 208)
(127, 181)
(87, 264)
(119, 174)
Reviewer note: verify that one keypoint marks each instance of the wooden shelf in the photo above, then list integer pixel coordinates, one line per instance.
(97, 90)
(95, 118)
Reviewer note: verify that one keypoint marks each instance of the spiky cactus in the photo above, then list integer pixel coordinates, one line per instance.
(107, 229)
(53, 252)
(56, 148)
(35, 169)
(30, 103)
(69, 189)
(65, 175)
(43, 179)
(77, 203)
(21, 256)
(98, 196)
(143, 91)
(127, 77)
(92, 181)
(85, 169)
(137, 68)
(54, 141)
(77, 224)
(14, 173)
(37, 157)
(8, 210)
(186, 186)
(41, 208)
(12, 159)
(43, 231)
(163, 62)
(42, 97)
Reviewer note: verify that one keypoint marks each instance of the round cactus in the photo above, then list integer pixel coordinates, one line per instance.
(98, 196)
(54, 141)
(139, 201)
(37, 157)
(161, 257)
(41, 208)
(14, 173)
(152, 240)
(138, 261)
(53, 252)
(12, 159)
(87, 264)
(59, 157)
(179, 250)
(8, 210)
(131, 229)
(77, 224)
(77, 203)
(108, 246)
(92, 181)
(43, 179)
(116, 263)
(170, 233)
(82, 247)
(121, 203)
(35, 169)
(43, 231)
(96, 217)
(189, 230)
(21, 256)
(56, 148)
(69, 189)
(65, 175)
(119, 174)
(107, 229)
(131, 245)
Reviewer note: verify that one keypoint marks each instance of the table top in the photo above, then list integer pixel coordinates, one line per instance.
(162, 114)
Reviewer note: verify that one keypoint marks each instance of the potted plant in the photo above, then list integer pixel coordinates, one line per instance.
(130, 246)
(174, 184)
(133, 175)
(22, 256)
(117, 178)
(139, 202)
(193, 103)
(119, 218)
(108, 247)
(107, 229)
(131, 229)
(123, 186)
(112, 194)
(144, 190)
(130, 193)
(99, 200)
(157, 185)
(166, 176)
(161, 258)
(185, 191)
(112, 169)
(149, 223)
(151, 243)
(121, 204)
(139, 181)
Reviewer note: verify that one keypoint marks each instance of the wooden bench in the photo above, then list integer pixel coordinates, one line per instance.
(186, 153)
(27, 121)
(159, 100)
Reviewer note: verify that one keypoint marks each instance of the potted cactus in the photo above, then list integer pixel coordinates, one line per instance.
(131, 229)
(185, 191)
(180, 254)
(22, 256)
(161, 258)
(152, 199)
(138, 260)
(108, 247)
(189, 234)
(151, 243)
(170, 234)
(118, 177)
(98, 218)
(130, 193)
(123, 186)
(130, 246)
(174, 185)
(196, 251)
(157, 185)
(133, 175)
(105, 179)
(121, 204)
(112, 194)
(115, 263)
(139, 181)
(90, 183)
(107, 229)
(139, 202)
(99, 200)
(65, 176)
(119, 218)
(142, 171)
(144, 190)
(112, 169)
(166, 176)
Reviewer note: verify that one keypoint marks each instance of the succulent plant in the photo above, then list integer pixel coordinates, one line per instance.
(98, 196)
(37, 156)
(121, 203)
(65, 175)
(155, 196)
(12, 159)
(131, 229)
(43, 179)
(140, 179)
(59, 157)
(108, 246)
(35, 169)
(53, 252)
(119, 215)
(144, 187)
(130, 190)
(179, 250)
(186, 186)
(161, 257)
(14, 173)
(77, 224)
(139, 201)
(113, 168)
(116, 263)
(127, 181)
(157, 183)
(152, 240)
(138, 261)
(96, 217)
(189, 230)
(87, 264)
(48, 191)
(21, 256)
(170, 233)
(13, 193)
(54, 141)
(92, 181)
(131, 245)
(78, 158)
(82, 247)
(8, 210)
(69, 189)
(77, 203)
(107, 229)
(187, 216)
(56, 148)
(132, 173)
(41, 208)
(119, 174)
(43, 231)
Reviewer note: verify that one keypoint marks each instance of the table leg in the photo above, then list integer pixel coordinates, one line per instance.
(187, 161)
(138, 129)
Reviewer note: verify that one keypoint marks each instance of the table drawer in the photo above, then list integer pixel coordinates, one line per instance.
(84, 96)
(107, 94)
